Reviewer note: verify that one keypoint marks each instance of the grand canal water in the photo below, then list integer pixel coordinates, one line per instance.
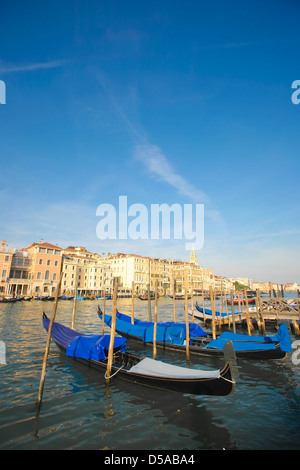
(79, 411)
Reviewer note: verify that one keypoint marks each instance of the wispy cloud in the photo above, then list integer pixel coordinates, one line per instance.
(10, 68)
(158, 166)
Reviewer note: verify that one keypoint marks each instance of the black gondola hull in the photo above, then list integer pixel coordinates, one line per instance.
(217, 383)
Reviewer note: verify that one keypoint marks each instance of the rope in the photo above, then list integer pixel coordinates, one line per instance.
(107, 378)
(228, 380)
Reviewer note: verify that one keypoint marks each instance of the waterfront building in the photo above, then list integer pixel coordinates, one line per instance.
(6, 255)
(144, 271)
(223, 284)
(19, 282)
(45, 266)
(85, 272)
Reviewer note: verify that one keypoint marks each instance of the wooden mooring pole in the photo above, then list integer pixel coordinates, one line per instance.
(112, 334)
(233, 313)
(75, 299)
(44, 366)
(249, 321)
(132, 302)
(155, 323)
(187, 327)
(104, 298)
(213, 310)
(174, 300)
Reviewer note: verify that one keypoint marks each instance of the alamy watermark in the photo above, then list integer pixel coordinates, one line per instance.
(295, 358)
(161, 222)
(2, 92)
(2, 353)
(296, 95)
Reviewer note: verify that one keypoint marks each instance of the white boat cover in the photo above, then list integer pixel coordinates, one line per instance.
(152, 367)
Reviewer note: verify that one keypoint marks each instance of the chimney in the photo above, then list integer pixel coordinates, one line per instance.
(42, 241)
(3, 243)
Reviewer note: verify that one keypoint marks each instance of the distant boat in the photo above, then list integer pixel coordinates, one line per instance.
(236, 301)
(6, 300)
(145, 297)
(180, 296)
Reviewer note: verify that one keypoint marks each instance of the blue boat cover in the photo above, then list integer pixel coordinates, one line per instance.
(284, 338)
(167, 332)
(194, 329)
(93, 347)
(239, 345)
(209, 312)
(60, 333)
(257, 343)
(85, 346)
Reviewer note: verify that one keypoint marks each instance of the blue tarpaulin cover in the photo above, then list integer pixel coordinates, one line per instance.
(240, 345)
(93, 347)
(284, 338)
(84, 346)
(246, 342)
(167, 332)
(194, 329)
(209, 312)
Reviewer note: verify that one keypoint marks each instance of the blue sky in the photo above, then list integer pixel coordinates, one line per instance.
(164, 102)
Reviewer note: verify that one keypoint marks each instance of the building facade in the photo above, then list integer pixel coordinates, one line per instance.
(86, 273)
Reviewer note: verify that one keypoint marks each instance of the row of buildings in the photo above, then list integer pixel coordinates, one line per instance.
(35, 271)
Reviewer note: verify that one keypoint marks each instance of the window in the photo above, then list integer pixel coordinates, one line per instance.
(47, 275)
(48, 262)
(6, 258)
(4, 273)
(49, 251)
(39, 276)
(56, 252)
(41, 250)
(54, 277)
(55, 263)
(40, 261)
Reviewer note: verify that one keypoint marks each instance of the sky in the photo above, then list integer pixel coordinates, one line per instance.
(165, 102)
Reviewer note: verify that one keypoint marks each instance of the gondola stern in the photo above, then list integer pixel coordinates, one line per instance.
(231, 362)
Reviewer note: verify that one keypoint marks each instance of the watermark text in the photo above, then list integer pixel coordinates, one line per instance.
(163, 222)
(2, 92)
(296, 94)
(2, 353)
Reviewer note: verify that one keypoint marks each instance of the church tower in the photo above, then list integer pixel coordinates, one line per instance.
(193, 258)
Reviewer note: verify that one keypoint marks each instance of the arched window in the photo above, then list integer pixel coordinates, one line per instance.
(47, 275)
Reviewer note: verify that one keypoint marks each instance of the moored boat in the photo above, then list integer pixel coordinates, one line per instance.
(92, 351)
(172, 336)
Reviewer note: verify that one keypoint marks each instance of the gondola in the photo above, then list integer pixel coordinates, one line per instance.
(8, 300)
(92, 351)
(208, 315)
(172, 336)
(145, 297)
(180, 296)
